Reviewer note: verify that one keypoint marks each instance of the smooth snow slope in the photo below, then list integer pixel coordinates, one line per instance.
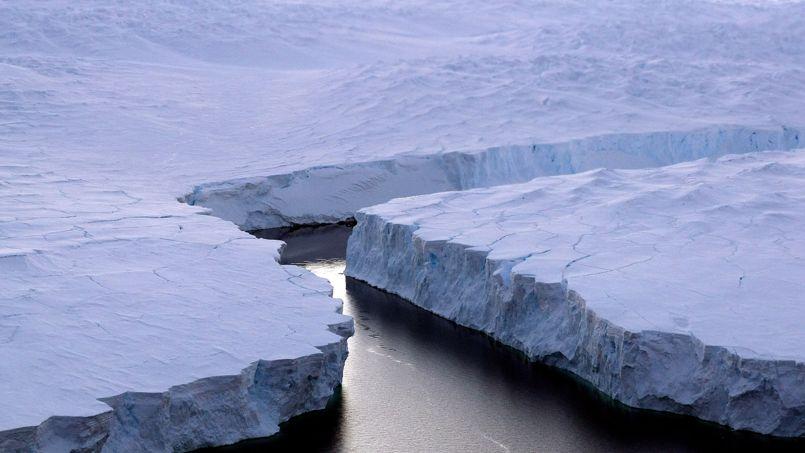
(678, 288)
(124, 107)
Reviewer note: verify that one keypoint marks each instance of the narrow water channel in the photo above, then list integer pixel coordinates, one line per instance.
(415, 382)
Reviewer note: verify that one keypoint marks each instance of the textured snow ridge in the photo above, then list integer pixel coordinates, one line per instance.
(330, 194)
(676, 289)
(130, 322)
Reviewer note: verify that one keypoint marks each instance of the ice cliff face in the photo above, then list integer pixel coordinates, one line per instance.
(211, 411)
(676, 289)
(333, 193)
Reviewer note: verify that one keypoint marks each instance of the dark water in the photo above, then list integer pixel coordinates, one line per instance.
(417, 383)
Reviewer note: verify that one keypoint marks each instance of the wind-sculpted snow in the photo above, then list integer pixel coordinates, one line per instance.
(131, 324)
(204, 92)
(676, 289)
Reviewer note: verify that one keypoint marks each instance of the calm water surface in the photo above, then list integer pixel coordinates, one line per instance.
(415, 382)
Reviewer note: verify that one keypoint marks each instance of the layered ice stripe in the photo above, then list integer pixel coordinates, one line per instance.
(676, 289)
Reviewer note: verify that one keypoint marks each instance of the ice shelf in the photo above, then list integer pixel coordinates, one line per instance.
(128, 324)
(114, 113)
(676, 289)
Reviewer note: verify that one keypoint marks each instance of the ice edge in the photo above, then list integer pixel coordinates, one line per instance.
(328, 194)
(210, 411)
(654, 370)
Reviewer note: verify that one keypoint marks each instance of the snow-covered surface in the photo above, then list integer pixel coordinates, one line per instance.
(112, 110)
(708, 254)
(198, 92)
(105, 291)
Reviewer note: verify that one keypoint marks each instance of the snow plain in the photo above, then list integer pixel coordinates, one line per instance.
(677, 289)
(110, 111)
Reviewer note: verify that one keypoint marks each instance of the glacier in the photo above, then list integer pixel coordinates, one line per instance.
(136, 139)
(675, 289)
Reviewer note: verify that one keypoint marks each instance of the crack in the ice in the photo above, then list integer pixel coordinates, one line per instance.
(11, 336)
(98, 283)
(610, 297)
(501, 445)
(154, 271)
(617, 269)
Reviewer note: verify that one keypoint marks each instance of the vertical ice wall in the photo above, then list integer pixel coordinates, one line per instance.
(333, 193)
(217, 410)
(674, 289)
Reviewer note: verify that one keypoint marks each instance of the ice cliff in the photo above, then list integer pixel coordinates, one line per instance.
(675, 289)
(327, 194)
